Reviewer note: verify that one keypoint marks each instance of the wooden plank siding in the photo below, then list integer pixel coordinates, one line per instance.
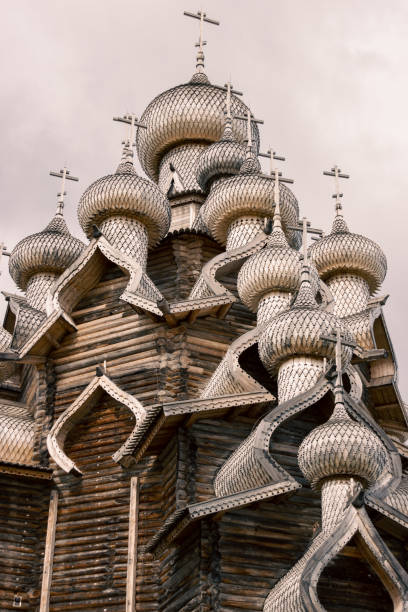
(23, 520)
(228, 563)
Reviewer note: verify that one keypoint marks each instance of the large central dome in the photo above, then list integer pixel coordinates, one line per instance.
(193, 112)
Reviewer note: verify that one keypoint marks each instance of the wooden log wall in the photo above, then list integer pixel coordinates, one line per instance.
(229, 564)
(23, 519)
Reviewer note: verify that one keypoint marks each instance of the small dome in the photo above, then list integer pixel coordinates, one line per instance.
(342, 251)
(248, 193)
(220, 159)
(277, 267)
(127, 194)
(51, 251)
(342, 447)
(189, 112)
(298, 332)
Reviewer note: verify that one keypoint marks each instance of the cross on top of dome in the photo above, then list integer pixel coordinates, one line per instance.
(305, 226)
(64, 175)
(339, 341)
(336, 172)
(132, 122)
(250, 119)
(202, 17)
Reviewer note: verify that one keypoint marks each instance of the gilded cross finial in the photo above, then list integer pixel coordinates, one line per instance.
(202, 17)
(64, 175)
(337, 173)
(132, 121)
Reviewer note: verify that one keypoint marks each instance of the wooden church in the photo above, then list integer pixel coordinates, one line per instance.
(198, 404)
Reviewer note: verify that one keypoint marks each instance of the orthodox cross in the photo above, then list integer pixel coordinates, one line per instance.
(305, 226)
(228, 88)
(3, 251)
(202, 17)
(274, 172)
(64, 175)
(336, 172)
(231, 88)
(250, 120)
(271, 155)
(339, 342)
(132, 121)
(278, 178)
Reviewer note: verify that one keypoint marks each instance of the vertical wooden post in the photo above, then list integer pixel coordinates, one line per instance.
(132, 544)
(49, 552)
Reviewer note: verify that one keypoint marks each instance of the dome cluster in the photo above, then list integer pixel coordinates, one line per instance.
(192, 112)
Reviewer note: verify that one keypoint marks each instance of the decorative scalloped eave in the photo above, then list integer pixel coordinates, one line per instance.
(140, 290)
(79, 409)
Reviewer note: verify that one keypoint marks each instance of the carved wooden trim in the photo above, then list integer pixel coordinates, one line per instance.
(79, 409)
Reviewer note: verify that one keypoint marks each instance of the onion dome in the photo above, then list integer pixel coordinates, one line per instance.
(277, 267)
(342, 447)
(342, 251)
(299, 331)
(249, 193)
(220, 159)
(192, 112)
(128, 195)
(50, 252)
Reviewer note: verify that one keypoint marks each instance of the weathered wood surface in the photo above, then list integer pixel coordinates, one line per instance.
(132, 545)
(49, 552)
(23, 519)
(229, 564)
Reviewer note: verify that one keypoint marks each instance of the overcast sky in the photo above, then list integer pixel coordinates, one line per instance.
(329, 78)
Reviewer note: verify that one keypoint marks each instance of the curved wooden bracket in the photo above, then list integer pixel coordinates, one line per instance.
(79, 409)
(355, 522)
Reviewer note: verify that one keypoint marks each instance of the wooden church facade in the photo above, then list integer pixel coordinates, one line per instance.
(195, 415)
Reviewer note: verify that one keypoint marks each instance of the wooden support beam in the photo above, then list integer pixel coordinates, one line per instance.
(49, 552)
(132, 545)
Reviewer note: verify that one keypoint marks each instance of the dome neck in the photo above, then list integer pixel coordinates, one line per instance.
(200, 78)
(277, 237)
(339, 412)
(250, 164)
(227, 134)
(339, 224)
(305, 297)
(57, 225)
(200, 60)
(126, 163)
